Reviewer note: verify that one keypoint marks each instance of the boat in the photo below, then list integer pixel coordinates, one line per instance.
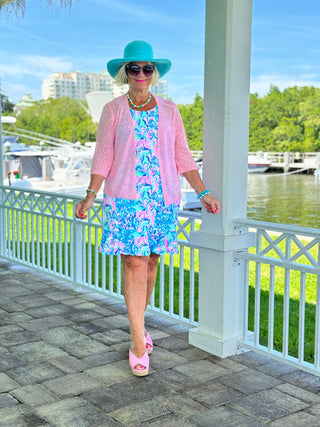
(258, 164)
(59, 171)
(53, 164)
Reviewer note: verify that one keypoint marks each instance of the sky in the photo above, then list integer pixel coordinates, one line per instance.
(285, 42)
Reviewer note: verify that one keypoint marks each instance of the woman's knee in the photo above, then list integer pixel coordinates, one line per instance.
(135, 262)
(153, 259)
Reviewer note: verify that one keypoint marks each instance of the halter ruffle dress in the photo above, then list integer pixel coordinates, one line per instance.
(145, 224)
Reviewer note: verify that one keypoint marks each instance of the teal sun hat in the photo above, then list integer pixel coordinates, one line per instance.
(138, 50)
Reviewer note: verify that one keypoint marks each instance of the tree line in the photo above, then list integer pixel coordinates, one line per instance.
(279, 121)
(61, 118)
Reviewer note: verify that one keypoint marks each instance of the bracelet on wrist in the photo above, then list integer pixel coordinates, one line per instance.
(89, 190)
(205, 192)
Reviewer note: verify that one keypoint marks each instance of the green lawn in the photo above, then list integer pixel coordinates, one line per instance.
(294, 301)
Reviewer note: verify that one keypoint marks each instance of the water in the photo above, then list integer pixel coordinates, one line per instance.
(284, 199)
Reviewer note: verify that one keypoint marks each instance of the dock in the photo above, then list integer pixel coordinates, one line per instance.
(286, 161)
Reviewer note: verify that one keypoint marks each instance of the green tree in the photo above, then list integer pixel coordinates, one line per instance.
(285, 121)
(192, 117)
(61, 118)
(6, 104)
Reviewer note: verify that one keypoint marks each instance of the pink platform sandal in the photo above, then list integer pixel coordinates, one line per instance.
(149, 343)
(139, 365)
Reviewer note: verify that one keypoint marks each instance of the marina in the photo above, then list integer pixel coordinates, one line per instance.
(63, 167)
(286, 162)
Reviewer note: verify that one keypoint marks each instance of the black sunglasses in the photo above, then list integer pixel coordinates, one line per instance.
(134, 69)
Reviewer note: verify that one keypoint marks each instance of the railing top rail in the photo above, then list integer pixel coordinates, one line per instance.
(189, 214)
(283, 228)
(43, 192)
(70, 197)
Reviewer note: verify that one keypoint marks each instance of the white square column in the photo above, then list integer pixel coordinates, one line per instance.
(225, 154)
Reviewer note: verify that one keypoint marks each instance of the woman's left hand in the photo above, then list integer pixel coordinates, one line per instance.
(210, 203)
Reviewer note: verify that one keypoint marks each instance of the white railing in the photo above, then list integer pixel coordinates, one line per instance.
(38, 229)
(282, 270)
(282, 298)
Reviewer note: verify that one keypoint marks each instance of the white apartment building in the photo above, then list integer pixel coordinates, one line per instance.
(77, 84)
(161, 88)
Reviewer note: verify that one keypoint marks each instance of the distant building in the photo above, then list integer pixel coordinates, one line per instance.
(25, 102)
(77, 84)
(161, 88)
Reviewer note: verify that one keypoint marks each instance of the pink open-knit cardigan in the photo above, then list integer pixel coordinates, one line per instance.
(114, 156)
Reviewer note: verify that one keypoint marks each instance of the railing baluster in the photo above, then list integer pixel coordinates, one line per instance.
(38, 246)
(191, 286)
(246, 300)
(60, 257)
(89, 259)
(286, 307)
(54, 245)
(317, 328)
(161, 290)
(96, 259)
(171, 284)
(103, 271)
(28, 222)
(271, 309)
(84, 254)
(43, 236)
(302, 316)
(49, 263)
(286, 302)
(118, 275)
(13, 234)
(23, 236)
(257, 305)
(32, 239)
(3, 229)
(8, 234)
(18, 234)
(68, 238)
(111, 284)
(181, 282)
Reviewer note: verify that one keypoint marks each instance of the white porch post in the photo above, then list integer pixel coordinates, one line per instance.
(225, 146)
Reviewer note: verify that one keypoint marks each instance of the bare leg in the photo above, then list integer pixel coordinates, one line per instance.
(151, 280)
(135, 273)
(151, 275)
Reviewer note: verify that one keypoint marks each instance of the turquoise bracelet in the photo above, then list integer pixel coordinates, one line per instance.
(199, 196)
(92, 191)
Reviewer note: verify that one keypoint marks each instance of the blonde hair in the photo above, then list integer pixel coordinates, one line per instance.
(122, 79)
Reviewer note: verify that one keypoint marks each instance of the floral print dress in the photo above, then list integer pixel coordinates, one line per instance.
(146, 224)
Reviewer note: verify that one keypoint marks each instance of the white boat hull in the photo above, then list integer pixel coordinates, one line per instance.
(258, 164)
(252, 168)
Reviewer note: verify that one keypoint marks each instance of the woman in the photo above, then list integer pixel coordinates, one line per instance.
(141, 149)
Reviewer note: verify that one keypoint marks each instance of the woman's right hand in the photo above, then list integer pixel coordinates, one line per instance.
(83, 206)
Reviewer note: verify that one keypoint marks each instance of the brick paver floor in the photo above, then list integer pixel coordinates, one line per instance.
(64, 362)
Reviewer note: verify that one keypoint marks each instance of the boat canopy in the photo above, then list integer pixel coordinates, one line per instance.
(8, 119)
